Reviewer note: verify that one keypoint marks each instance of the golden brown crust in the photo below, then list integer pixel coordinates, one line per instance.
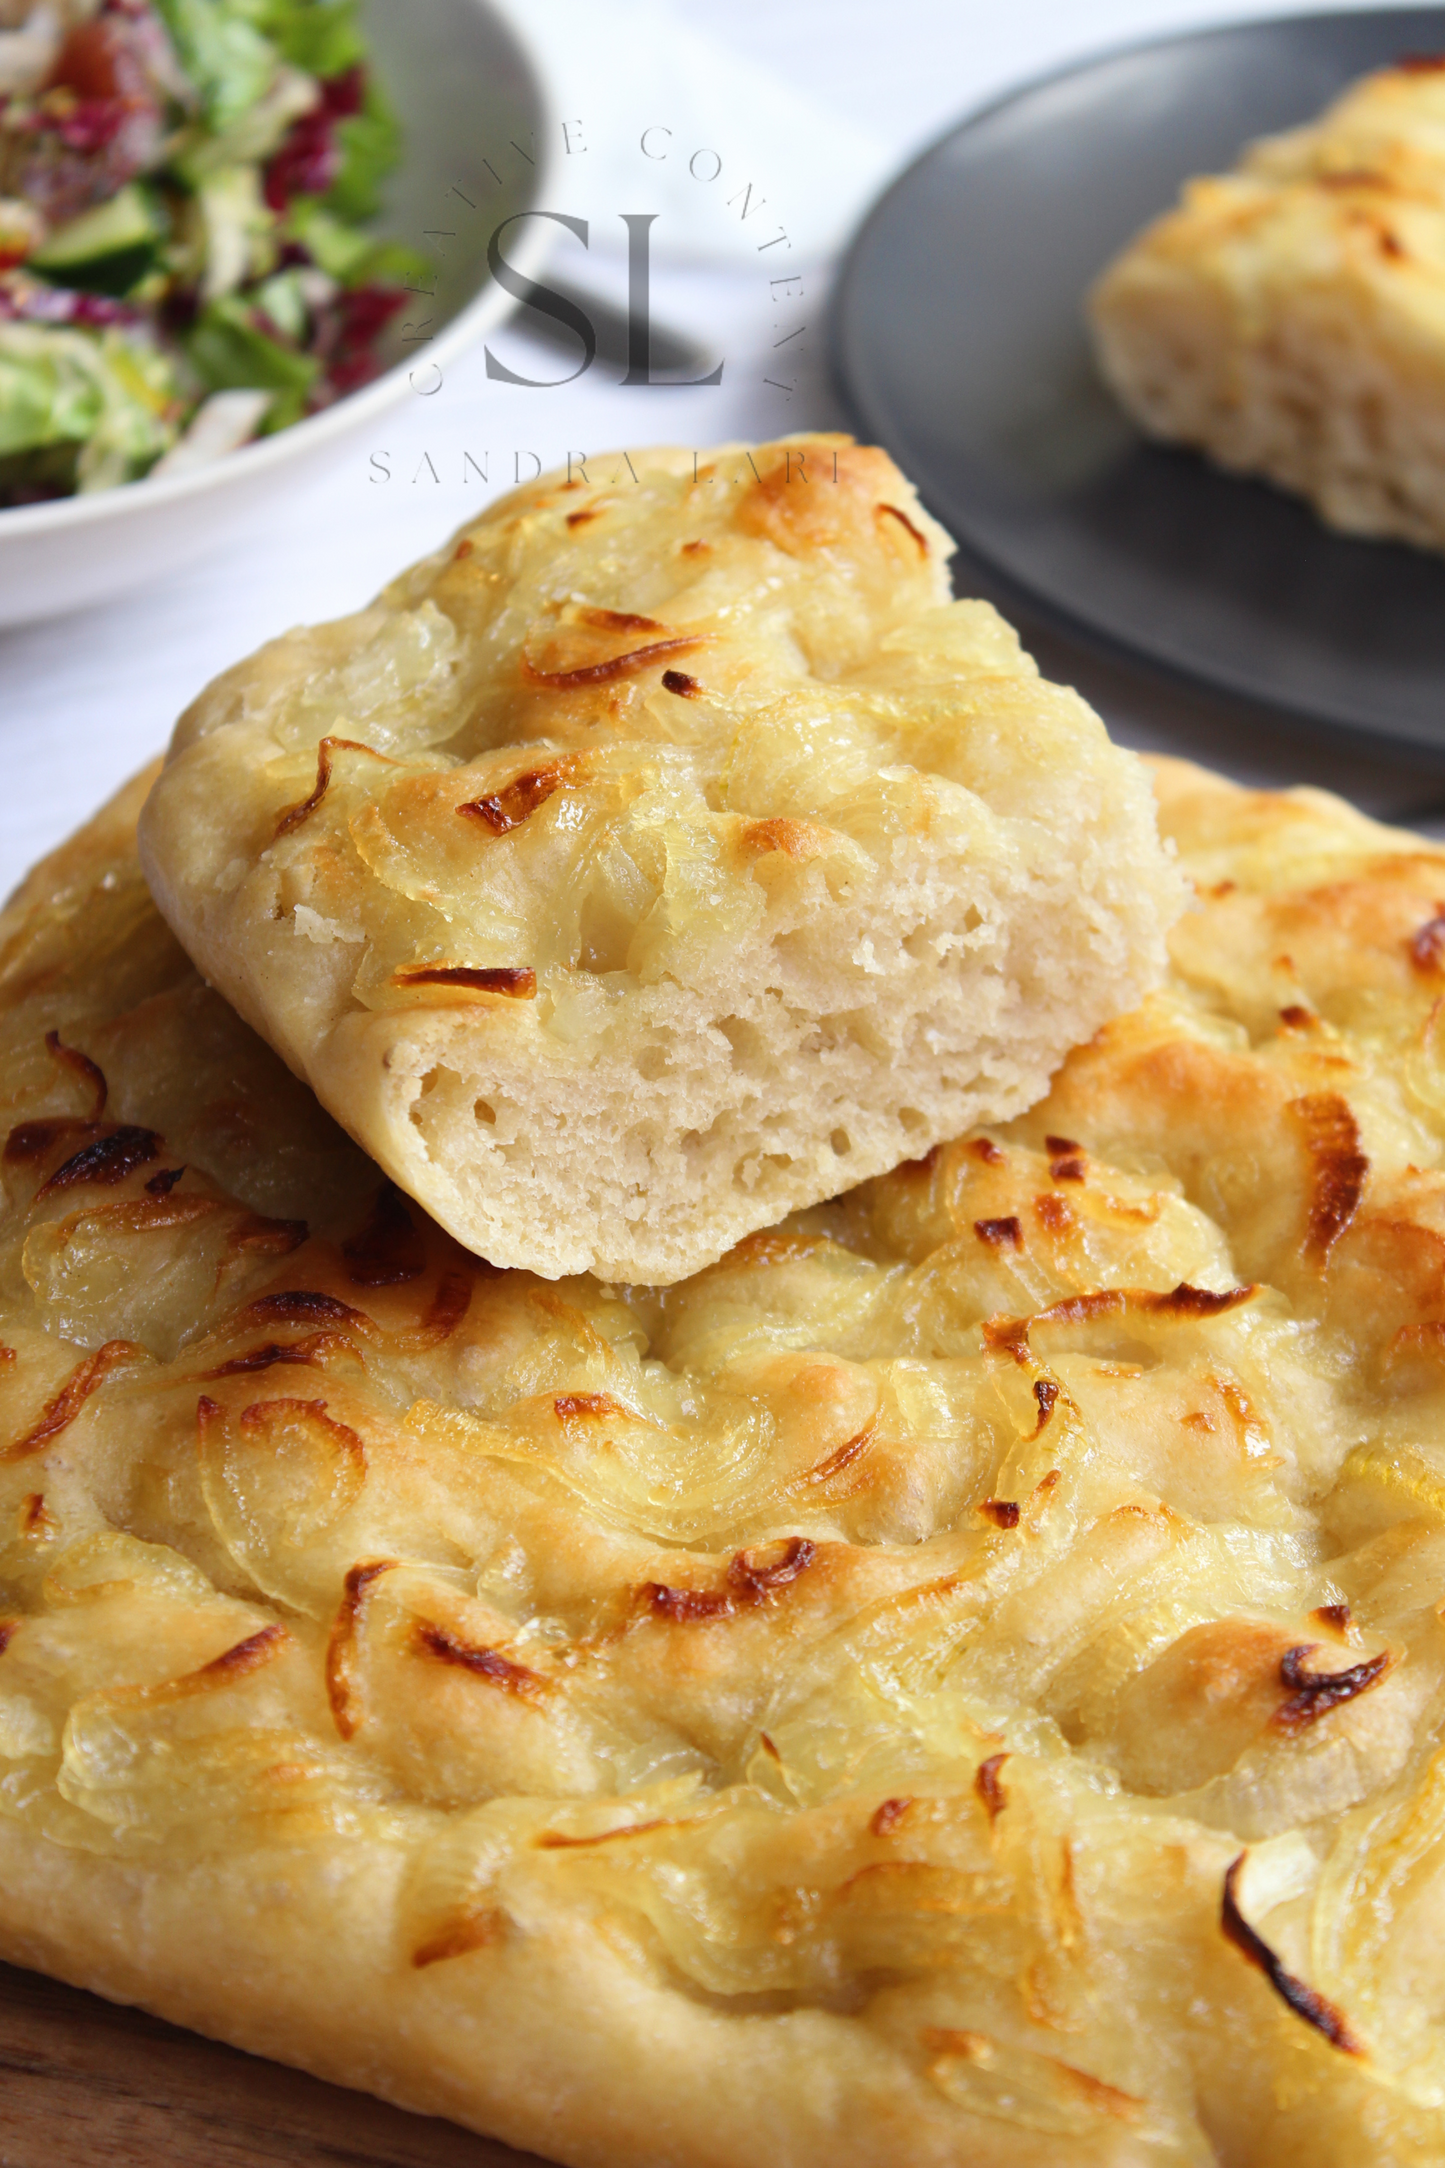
(960, 1677)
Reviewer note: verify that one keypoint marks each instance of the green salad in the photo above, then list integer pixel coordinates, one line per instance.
(185, 261)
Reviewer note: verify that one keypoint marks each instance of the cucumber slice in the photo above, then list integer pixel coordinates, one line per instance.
(107, 250)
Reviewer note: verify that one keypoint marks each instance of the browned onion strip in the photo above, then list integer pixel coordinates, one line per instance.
(556, 1840)
(240, 1660)
(1305, 2003)
(520, 982)
(507, 808)
(304, 1306)
(1011, 1334)
(449, 1305)
(236, 1662)
(62, 1410)
(106, 1160)
(489, 1665)
(340, 1646)
(328, 748)
(1337, 1169)
(889, 1814)
(603, 673)
(989, 1787)
(473, 1929)
(1313, 1692)
(903, 520)
(840, 1458)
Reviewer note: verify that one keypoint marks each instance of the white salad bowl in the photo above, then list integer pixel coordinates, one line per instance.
(476, 128)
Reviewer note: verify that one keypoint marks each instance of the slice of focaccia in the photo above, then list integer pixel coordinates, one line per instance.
(958, 1683)
(667, 853)
(1289, 317)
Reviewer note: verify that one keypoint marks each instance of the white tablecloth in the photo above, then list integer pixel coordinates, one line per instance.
(86, 699)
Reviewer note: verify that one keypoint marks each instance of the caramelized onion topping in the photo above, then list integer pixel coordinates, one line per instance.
(596, 1405)
(475, 1929)
(1337, 1169)
(988, 1785)
(313, 1349)
(341, 1690)
(483, 1663)
(518, 981)
(448, 1306)
(325, 754)
(891, 511)
(105, 1162)
(842, 1457)
(60, 1411)
(1011, 1334)
(518, 800)
(748, 1583)
(556, 1840)
(1312, 1693)
(303, 1306)
(617, 666)
(1305, 2003)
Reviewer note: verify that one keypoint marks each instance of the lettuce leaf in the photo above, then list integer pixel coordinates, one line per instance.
(44, 397)
(339, 250)
(254, 134)
(370, 145)
(116, 401)
(226, 57)
(229, 351)
(321, 36)
(352, 258)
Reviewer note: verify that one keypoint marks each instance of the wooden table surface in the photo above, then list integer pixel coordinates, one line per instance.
(86, 2084)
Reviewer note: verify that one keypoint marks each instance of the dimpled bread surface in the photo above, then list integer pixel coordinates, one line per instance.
(666, 853)
(958, 1682)
(1288, 318)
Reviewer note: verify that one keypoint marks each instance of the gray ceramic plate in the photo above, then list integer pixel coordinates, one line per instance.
(959, 343)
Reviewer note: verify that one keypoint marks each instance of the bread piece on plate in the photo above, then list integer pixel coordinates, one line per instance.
(666, 853)
(1288, 318)
(957, 1682)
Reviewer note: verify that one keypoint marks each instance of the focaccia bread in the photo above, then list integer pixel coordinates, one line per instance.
(1289, 317)
(958, 1683)
(667, 853)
